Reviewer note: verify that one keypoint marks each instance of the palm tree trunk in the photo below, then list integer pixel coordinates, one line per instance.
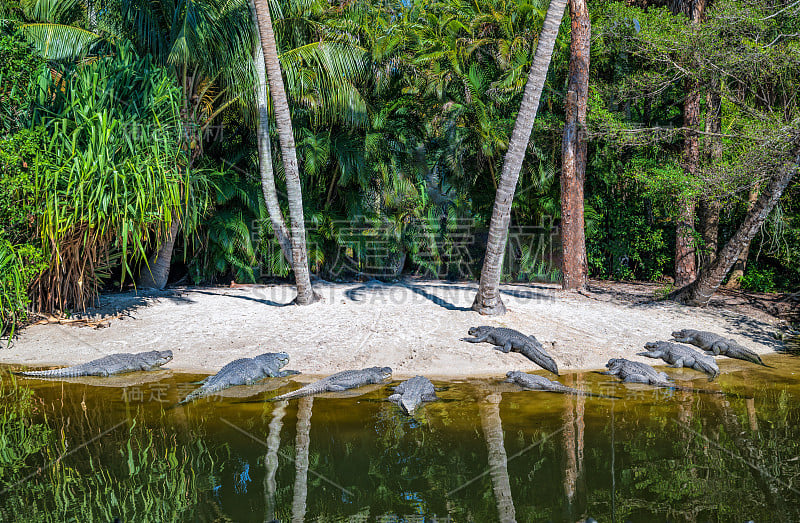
(283, 119)
(488, 300)
(699, 293)
(498, 466)
(301, 459)
(156, 274)
(573, 151)
(265, 151)
(271, 459)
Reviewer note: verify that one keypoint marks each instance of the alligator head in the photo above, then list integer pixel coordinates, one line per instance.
(157, 358)
(479, 331)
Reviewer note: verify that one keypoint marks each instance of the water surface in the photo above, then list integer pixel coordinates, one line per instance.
(91, 449)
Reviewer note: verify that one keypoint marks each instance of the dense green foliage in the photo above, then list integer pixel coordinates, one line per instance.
(402, 114)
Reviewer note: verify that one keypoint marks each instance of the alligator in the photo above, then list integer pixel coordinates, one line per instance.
(108, 365)
(341, 381)
(634, 372)
(244, 371)
(534, 382)
(716, 345)
(681, 356)
(508, 340)
(411, 393)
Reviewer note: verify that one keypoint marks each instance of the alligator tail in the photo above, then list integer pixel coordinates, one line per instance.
(299, 393)
(64, 372)
(195, 394)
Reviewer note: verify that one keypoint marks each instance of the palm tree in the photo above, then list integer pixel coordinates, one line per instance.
(488, 300)
(271, 458)
(265, 149)
(283, 118)
(302, 441)
(498, 466)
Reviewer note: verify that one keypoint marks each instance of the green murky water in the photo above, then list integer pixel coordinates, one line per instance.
(82, 450)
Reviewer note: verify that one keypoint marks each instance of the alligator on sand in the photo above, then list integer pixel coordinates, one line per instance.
(244, 371)
(681, 356)
(716, 344)
(108, 365)
(508, 340)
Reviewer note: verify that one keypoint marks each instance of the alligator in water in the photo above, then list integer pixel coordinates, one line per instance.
(411, 393)
(681, 356)
(534, 382)
(634, 372)
(108, 365)
(244, 371)
(507, 340)
(341, 381)
(716, 345)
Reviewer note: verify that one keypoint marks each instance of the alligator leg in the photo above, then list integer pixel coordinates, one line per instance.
(478, 339)
(394, 397)
(505, 348)
(284, 373)
(636, 379)
(679, 363)
(717, 348)
(336, 388)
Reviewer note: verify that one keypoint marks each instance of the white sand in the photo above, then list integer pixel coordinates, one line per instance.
(413, 327)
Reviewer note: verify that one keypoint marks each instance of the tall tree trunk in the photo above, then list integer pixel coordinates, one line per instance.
(283, 119)
(573, 151)
(685, 259)
(498, 467)
(737, 273)
(699, 293)
(302, 441)
(709, 207)
(574, 408)
(156, 274)
(271, 460)
(488, 300)
(685, 256)
(265, 150)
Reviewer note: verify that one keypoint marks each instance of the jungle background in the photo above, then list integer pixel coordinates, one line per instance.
(121, 119)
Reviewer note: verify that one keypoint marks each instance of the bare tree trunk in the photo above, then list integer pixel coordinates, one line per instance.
(265, 150)
(271, 459)
(283, 119)
(573, 151)
(709, 206)
(488, 300)
(685, 259)
(498, 466)
(156, 274)
(570, 457)
(685, 256)
(699, 293)
(737, 273)
(301, 459)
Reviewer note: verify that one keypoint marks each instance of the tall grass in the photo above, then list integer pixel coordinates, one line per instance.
(113, 175)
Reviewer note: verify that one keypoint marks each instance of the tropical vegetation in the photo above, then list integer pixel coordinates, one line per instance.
(143, 142)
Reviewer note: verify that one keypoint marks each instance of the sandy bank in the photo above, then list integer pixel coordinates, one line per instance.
(413, 327)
